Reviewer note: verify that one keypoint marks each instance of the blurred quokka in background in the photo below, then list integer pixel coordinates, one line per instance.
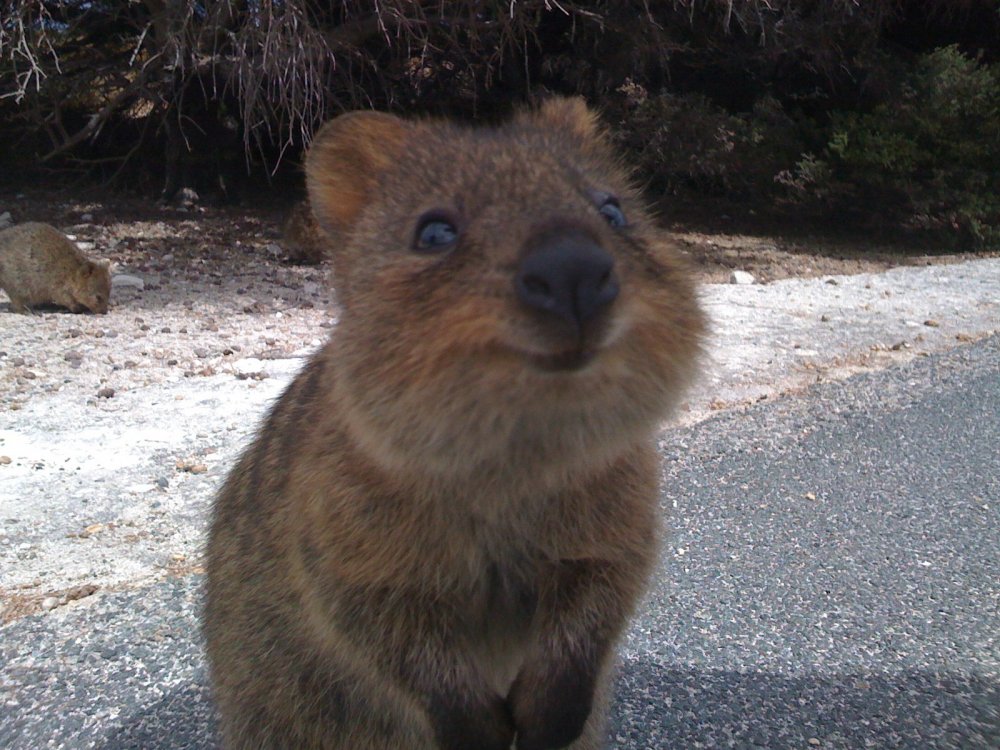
(447, 519)
(39, 265)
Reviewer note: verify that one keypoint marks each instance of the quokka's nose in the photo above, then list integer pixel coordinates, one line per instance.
(569, 276)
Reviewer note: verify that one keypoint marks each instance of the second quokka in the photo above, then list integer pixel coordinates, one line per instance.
(447, 519)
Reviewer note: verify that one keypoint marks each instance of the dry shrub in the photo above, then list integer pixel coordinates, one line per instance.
(186, 73)
(734, 98)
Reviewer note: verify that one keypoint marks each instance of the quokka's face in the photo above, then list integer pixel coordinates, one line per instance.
(94, 289)
(514, 265)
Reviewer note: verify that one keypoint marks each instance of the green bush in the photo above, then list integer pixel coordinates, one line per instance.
(928, 155)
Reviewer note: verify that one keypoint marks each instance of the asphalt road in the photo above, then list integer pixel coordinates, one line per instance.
(831, 579)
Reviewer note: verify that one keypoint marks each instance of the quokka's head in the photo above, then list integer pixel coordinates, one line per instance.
(495, 283)
(93, 286)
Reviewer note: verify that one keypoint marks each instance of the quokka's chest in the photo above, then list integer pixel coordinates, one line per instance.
(505, 623)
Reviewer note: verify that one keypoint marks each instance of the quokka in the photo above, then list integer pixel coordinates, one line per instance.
(446, 521)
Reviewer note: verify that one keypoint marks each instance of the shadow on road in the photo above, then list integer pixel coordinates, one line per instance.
(662, 706)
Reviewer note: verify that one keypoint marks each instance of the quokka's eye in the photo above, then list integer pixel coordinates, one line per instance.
(613, 213)
(435, 233)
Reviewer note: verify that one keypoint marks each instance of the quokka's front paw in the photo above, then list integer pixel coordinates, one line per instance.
(485, 726)
(550, 704)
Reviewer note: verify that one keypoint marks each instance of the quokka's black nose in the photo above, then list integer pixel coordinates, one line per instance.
(569, 276)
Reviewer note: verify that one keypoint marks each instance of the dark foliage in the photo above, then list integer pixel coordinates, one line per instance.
(745, 99)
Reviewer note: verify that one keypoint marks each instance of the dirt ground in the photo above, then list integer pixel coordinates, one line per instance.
(134, 232)
(771, 257)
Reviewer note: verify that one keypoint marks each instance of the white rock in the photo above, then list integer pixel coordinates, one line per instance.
(85, 246)
(87, 217)
(248, 366)
(6, 220)
(49, 602)
(186, 197)
(121, 280)
(741, 277)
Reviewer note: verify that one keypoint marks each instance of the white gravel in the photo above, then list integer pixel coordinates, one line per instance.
(115, 430)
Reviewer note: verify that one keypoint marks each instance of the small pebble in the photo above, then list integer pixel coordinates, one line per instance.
(125, 280)
(106, 393)
(191, 468)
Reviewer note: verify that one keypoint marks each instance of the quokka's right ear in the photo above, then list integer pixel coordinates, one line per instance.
(344, 163)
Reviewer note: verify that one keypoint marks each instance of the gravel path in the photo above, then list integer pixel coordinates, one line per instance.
(115, 430)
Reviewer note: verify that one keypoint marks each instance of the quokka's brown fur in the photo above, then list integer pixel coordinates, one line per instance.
(39, 265)
(447, 519)
(303, 240)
